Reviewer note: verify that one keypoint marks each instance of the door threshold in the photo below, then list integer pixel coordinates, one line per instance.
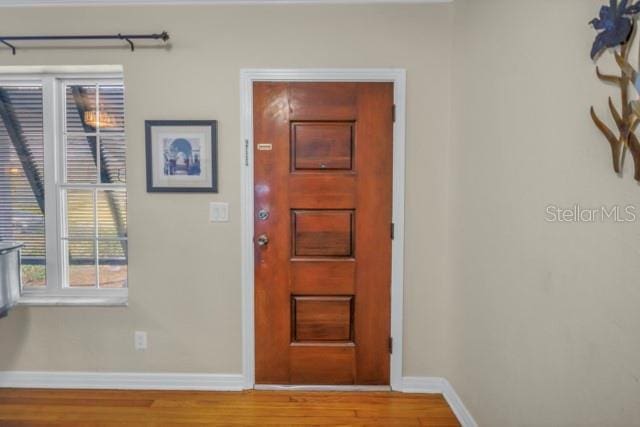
(288, 387)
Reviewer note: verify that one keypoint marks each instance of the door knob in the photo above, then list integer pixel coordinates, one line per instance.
(262, 240)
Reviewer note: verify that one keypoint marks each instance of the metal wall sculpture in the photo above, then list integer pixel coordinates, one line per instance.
(616, 27)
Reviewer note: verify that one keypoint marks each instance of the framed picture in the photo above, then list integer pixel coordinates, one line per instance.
(182, 156)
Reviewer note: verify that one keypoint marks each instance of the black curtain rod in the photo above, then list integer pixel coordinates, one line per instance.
(164, 36)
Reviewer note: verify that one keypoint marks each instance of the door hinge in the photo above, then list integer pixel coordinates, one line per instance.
(393, 113)
(246, 152)
(390, 345)
(393, 231)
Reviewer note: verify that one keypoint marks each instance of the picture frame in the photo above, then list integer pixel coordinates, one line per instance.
(182, 156)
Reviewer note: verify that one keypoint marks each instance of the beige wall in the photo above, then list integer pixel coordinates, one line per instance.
(544, 318)
(185, 272)
(535, 324)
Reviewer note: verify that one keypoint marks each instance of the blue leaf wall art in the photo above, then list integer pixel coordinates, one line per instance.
(616, 26)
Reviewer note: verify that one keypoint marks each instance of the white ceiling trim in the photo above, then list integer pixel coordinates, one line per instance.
(35, 3)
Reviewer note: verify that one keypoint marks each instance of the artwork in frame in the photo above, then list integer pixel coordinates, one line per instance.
(182, 156)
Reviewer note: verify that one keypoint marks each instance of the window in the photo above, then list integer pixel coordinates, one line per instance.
(63, 185)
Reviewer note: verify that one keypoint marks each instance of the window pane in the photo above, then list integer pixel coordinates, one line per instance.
(95, 219)
(111, 108)
(81, 109)
(112, 214)
(22, 177)
(80, 214)
(82, 263)
(80, 154)
(112, 258)
(34, 273)
(114, 166)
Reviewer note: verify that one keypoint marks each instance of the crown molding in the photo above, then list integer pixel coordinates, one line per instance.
(51, 3)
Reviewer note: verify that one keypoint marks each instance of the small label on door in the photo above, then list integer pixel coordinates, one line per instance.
(265, 147)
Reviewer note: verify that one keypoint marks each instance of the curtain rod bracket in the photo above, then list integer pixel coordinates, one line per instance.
(133, 47)
(12, 47)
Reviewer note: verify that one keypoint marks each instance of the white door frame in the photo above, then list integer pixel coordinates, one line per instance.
(247, 77)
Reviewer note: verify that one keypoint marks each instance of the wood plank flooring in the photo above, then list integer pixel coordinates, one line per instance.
(22, 407)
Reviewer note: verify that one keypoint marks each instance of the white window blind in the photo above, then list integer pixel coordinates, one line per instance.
(22, 176)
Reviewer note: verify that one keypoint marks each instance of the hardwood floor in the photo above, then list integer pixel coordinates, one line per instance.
(20, 407)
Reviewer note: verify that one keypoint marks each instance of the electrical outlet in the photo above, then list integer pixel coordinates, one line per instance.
(140, 340)
(218, 212)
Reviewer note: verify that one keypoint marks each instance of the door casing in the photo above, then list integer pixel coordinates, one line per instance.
(247, 77)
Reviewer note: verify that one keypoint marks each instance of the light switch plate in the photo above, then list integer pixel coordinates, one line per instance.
(218, 212)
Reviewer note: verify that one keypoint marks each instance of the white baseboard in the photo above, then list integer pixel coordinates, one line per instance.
(440, 386)
(211, 382)
(121, 381)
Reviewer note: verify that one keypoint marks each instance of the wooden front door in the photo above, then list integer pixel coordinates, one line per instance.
(323, 212)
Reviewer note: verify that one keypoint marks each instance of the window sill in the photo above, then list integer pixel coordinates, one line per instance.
(52, 300)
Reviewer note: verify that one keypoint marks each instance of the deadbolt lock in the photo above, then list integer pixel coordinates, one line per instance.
(263, 214)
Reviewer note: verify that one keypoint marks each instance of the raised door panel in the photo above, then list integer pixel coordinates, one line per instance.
(322, 146)
(322, 319)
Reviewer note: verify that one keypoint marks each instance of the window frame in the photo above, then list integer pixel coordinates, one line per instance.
(55, 291)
